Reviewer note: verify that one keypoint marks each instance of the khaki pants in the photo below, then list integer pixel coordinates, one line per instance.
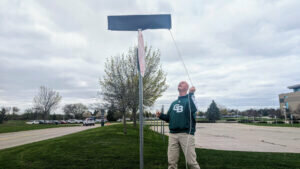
(177, 140)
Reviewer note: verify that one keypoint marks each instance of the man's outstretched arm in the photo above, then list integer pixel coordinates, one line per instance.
(192, 99)
(162, 116)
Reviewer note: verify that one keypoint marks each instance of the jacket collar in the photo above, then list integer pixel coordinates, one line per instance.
(182, 97)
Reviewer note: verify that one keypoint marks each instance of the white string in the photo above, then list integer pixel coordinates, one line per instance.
(187, 72)
(180, 56)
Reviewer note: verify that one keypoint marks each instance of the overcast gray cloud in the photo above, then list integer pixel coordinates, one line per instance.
(240, 53)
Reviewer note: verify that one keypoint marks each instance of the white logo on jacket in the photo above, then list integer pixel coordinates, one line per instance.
(178, 108)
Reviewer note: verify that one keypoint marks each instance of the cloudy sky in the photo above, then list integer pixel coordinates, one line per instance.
(240, 53)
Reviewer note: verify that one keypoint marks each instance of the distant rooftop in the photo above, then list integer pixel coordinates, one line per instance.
(297, 86)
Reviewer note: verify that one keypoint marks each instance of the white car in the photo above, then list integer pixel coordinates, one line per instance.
(89, 122)
(79, 121)
(33, 122)
(72, 121)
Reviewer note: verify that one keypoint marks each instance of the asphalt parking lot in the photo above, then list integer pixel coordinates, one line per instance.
(241, 137)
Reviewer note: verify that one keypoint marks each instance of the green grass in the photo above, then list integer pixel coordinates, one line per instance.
(19, 125)
(107, 147)
(273, 125)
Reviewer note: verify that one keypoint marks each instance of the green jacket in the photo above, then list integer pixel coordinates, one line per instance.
(178, 115)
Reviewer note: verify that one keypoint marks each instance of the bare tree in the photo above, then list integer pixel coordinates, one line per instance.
(96, 107)
(120, 83)
(46, 101)
(75, 109)
(87, 114)
(114, 88)
(154, 80)
(15, 110)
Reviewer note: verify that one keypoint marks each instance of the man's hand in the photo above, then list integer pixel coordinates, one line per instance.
(192, 89)
(158, 113)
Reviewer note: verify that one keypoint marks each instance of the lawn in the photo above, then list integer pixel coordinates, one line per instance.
(274, 125)
(19, 125)
(107, 147)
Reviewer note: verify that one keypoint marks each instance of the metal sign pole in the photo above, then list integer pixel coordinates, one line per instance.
(141, 114)
(164, 131)
(161, 127)
(134, 23)
(157, 125)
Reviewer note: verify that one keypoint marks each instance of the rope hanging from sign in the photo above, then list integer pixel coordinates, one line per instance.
(180, 57)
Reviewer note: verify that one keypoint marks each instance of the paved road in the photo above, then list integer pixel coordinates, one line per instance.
(240, 137)
(24, 137)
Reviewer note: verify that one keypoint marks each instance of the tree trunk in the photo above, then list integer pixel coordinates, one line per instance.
(124, 123)
(134, 116)
(44, 117)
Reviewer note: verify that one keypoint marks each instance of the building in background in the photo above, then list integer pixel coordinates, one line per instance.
(290, 102)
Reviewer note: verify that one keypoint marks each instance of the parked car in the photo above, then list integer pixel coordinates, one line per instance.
(56, 122)
(63, 122)
(99, 120)
(79, 121)
(120, 120)
(72, 121)
(89, 122)
(41, 122)
(33, 122)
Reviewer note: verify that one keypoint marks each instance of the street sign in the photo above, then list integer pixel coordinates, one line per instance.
(135, 22)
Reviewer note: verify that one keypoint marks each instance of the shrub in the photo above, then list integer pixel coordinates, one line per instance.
(245, 121)
(204, 121)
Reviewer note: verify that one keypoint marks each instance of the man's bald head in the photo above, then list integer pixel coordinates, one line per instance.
(183, 87)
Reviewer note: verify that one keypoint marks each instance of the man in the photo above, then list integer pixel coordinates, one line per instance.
(182, 129)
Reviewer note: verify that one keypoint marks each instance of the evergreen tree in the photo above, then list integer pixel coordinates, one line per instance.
(2, 115)
(213, 112)
(111, 115)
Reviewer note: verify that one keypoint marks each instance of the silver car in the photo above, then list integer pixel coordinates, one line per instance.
(33, 122)
(89, 122)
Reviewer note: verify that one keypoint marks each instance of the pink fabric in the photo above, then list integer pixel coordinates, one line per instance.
(141, 52)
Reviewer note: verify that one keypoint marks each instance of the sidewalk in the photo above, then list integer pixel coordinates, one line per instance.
(13, 139)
